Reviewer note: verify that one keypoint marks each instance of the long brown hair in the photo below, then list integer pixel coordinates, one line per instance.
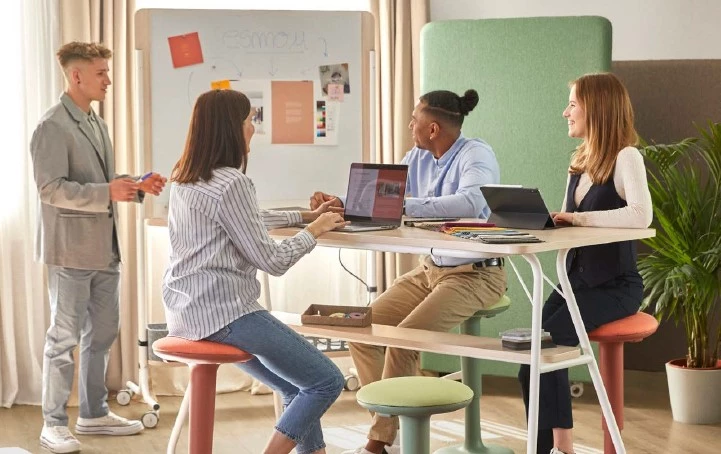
(215, 136)
(609, 125)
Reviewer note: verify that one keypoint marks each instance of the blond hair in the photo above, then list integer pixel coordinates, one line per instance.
(76, 50)
(609, 125)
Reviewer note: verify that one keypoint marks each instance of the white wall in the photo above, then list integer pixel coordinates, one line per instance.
(642, 29)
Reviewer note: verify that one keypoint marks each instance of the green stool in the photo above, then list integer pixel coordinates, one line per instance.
(414, 400)
(471, 370)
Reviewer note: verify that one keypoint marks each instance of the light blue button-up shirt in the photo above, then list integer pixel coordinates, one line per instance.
(450, 186)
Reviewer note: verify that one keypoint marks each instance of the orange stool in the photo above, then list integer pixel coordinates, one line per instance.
(611, 338)
(204, 358)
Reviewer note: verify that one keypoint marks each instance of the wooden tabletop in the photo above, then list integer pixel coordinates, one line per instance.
(403, 238)
(420, 241)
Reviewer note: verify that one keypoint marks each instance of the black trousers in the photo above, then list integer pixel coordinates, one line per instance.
(612, 300)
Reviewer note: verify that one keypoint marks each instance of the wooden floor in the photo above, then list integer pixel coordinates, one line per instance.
(244, 422)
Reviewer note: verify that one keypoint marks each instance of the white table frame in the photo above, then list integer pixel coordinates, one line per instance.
(418, 241)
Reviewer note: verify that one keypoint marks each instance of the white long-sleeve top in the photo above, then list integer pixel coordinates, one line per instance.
(629, 179)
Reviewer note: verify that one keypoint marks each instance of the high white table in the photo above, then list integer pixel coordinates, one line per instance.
(418, 241)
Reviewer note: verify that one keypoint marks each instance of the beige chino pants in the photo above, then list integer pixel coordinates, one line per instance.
(428, 297)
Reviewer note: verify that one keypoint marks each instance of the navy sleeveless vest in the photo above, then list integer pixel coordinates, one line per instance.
(595, 265)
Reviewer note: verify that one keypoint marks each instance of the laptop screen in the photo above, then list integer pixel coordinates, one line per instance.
(375, 193)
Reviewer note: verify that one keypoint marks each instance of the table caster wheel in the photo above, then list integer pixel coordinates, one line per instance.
(124, 396)
(351, 383)
(576, 390)
(150, 419)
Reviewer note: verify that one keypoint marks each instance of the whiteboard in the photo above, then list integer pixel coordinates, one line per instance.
(253, 49)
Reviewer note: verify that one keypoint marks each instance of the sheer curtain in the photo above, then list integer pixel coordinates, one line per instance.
(35, 85)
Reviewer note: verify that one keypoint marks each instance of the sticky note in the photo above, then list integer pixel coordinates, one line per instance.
(220, 85)
(335, 91)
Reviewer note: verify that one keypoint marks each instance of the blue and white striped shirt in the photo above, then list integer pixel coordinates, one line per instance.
(218, 240)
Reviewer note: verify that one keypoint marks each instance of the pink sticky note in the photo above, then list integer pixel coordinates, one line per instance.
(335, 91)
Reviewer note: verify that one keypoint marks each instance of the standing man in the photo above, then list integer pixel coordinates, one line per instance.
(77, 239)
(445, 173)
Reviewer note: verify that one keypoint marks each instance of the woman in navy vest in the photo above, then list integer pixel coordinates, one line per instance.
(606, 187)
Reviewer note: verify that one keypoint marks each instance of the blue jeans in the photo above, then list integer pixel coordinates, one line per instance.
(306, 379)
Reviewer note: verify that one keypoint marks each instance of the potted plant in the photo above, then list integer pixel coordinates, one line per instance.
(682, 272)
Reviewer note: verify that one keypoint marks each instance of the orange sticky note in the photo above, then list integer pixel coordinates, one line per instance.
(185, 50)
(220, 85)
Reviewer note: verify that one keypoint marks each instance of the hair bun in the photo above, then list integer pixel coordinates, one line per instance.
(468, 101)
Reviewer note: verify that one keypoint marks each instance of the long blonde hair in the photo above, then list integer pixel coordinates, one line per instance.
(609, 125)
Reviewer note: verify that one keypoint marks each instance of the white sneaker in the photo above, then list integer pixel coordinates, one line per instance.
(58, 439)
(393, 449)
(557, 451)
(110, 424)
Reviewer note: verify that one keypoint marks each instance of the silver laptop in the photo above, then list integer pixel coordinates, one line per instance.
(374, 200)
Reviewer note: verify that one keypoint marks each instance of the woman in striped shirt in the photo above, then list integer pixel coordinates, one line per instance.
(218, 241)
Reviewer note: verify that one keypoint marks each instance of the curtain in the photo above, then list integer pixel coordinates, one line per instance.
(37, 82)
(398, 25)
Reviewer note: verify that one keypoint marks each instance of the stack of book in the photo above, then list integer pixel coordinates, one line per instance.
(520, 339)
(476, 231)
(497, 236)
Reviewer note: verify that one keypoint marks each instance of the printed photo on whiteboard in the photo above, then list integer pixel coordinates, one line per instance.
(334, 74)
(320, 125)
(258, 93)
(257, 119)
(256, 105)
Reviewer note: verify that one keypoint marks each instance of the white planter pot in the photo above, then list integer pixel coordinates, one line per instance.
(695, 393)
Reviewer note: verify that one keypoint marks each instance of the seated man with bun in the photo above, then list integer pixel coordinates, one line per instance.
(446, 171)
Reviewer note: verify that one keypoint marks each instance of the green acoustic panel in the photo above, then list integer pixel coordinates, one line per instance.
(521, 69)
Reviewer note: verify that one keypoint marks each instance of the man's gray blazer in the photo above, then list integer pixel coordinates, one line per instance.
(76, 219)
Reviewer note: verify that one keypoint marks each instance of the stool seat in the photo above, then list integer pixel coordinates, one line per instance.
(633, 328)
(503, 304)
(414, 400)
(199, 352)
(414, 395)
